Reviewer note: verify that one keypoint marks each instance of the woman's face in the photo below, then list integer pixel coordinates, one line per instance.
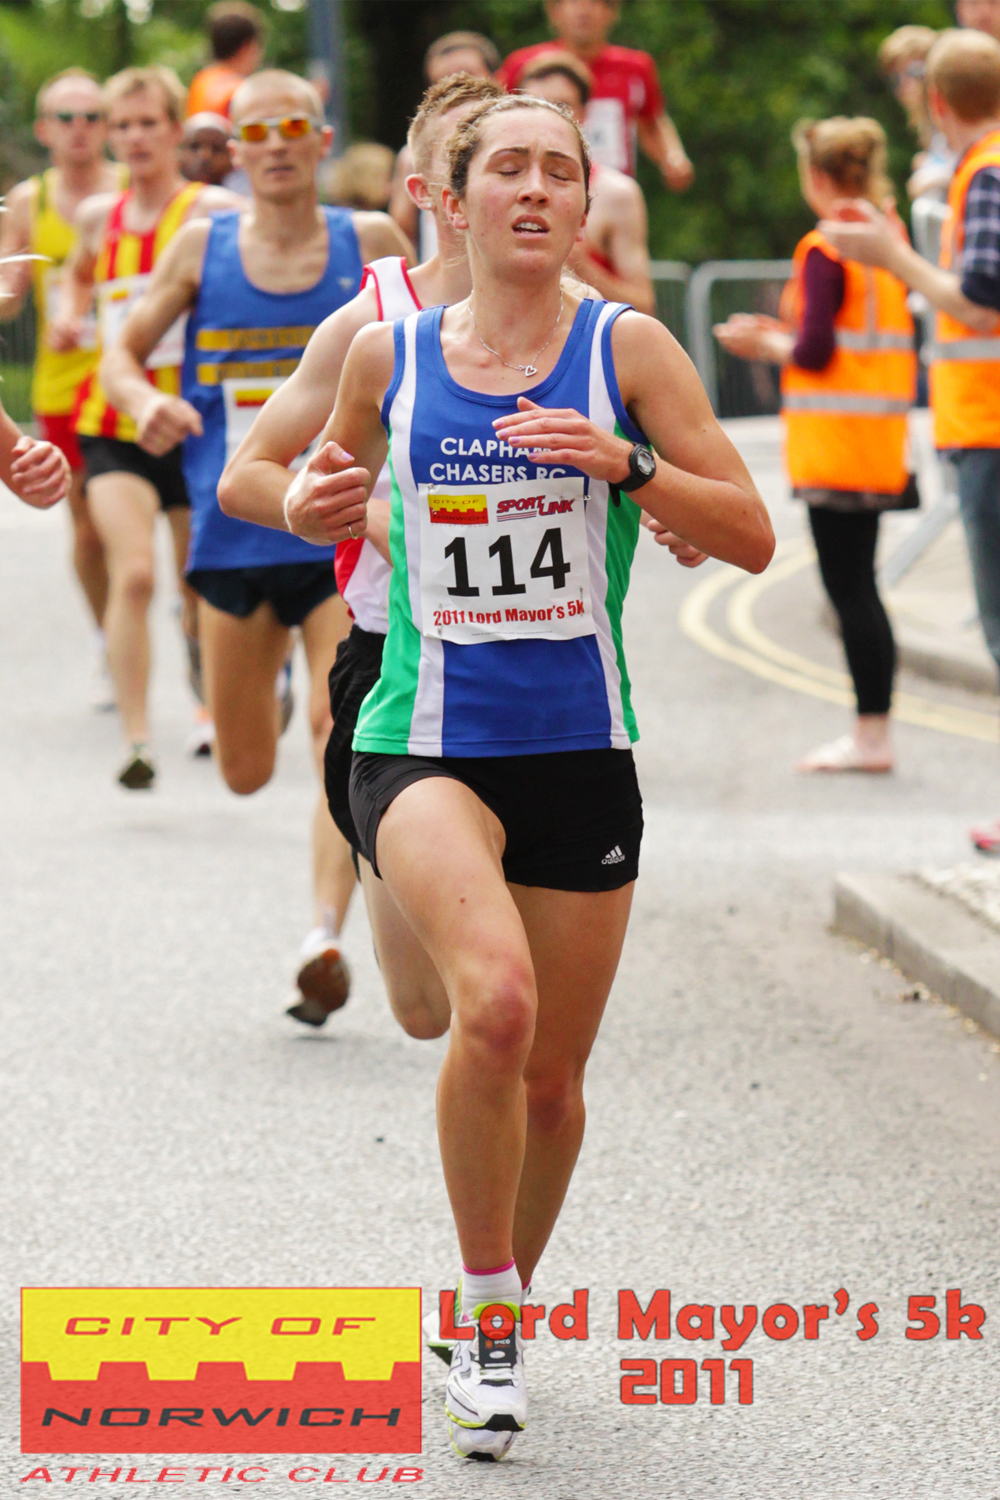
(525, 201)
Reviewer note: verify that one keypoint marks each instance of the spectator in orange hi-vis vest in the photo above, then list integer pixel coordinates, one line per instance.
(845, 344)
(963, 93)
(236, 35)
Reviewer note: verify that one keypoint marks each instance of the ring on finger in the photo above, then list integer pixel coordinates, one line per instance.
(350, 529)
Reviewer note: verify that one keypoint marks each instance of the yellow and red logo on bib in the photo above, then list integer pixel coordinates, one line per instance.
(253, 397)
(458, 510)
(202, 1370)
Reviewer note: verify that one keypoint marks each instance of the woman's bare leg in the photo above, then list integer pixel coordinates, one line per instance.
(576, 940)
(439, 851)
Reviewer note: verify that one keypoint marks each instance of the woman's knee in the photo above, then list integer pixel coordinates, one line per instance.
(496, 1011)
(555, 1100)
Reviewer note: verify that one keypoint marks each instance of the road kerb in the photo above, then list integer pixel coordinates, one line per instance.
(931, 937)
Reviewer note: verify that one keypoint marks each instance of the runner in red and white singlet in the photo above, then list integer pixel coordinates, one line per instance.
(626, 108)
(258, 475)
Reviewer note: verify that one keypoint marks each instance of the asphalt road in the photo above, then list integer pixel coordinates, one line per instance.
(768, 1122)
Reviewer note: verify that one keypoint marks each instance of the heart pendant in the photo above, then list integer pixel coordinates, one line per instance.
(530, 369)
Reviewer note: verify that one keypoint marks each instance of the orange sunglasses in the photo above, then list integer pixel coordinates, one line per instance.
(290, 128)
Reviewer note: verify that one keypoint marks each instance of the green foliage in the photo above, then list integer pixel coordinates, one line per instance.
(737, 75)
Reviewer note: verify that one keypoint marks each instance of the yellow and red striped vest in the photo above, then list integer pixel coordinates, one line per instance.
(845, 425)
(123, 267)
(965, 365)
(57, 376)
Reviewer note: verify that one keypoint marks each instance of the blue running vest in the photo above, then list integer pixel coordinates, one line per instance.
(241, 344)
(509, 577)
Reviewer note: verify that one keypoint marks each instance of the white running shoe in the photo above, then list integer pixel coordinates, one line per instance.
(202, 737)
(486, 1399)
(101, 689)
(324, 980)
(487, 1447)
(433, 1339)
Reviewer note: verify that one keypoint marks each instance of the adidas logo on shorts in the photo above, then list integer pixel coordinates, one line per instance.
(616, 857)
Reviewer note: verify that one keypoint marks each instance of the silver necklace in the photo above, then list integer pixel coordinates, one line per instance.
(528, 370)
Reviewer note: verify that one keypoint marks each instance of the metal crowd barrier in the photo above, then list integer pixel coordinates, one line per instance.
(670, 282)
(736, 387)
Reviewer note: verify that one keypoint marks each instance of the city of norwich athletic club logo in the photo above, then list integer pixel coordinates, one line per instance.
(458, 510)
(202, 1370)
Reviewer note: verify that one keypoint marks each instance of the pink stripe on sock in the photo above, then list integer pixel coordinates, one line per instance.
(493, 1271)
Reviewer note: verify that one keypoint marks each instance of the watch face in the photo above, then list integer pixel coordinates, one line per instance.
(645, 463)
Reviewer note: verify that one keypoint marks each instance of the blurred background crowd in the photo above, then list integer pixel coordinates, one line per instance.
(735, 75)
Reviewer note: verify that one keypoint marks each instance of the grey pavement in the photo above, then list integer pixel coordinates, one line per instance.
(768, 1122)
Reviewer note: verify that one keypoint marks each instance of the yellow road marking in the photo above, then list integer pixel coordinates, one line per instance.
(763, 657)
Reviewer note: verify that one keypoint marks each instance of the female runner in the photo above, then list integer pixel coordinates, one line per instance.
(493, 786)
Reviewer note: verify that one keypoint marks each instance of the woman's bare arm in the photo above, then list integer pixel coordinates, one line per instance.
(326, 501)
(701, 491)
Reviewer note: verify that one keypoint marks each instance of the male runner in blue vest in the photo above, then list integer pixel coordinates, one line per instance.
(254, 285)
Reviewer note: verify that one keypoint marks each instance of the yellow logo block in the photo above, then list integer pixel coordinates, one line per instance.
(173, 1330)
(458, 510)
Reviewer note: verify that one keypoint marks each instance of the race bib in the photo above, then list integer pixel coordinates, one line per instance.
(504, 562)
(52, 276)
(606, 132)
(243, 399)
(117, 299)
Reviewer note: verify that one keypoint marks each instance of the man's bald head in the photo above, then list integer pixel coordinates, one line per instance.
(269, 92)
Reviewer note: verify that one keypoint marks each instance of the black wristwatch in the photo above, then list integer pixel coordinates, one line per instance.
(641, 466)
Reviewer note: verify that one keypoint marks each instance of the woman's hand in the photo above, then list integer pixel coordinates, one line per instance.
(755, 336)
(860, 232)
(563, 436)
(326, 502)
(686, 555)
(39, 474)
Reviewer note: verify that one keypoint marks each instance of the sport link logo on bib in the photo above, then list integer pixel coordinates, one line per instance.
(523, 573)
(197, 1370)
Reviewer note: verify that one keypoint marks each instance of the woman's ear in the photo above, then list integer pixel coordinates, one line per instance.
(453, 209)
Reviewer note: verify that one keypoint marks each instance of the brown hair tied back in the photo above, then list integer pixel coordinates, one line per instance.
(852, 153)
(467, 137)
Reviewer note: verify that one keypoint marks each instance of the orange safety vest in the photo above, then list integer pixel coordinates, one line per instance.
(965, 365)
(845, 425)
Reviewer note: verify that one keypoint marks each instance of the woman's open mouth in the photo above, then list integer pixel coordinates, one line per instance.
(530, 226)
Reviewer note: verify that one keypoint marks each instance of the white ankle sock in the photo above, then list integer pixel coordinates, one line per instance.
(501, 1284)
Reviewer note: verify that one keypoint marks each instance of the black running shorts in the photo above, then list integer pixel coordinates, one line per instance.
(293, 590)
(104, 455)
(352, 677)
(573, 819)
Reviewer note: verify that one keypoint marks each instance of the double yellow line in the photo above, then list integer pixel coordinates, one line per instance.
(763, 657)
